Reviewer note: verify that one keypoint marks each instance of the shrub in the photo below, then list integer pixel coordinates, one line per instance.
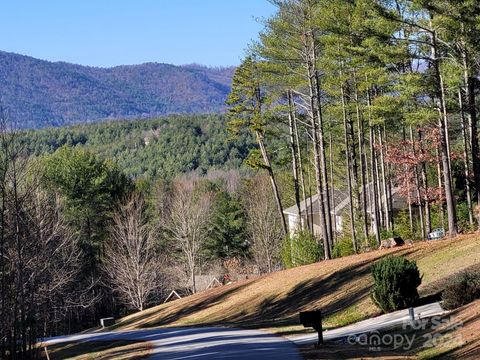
(396, 281)
(463, 219)
(343, 247)
(387, 234)
(402, 226)
(437, 216)
(462, 290)
(301, 249)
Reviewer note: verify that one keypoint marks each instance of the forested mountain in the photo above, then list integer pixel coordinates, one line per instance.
(40, 93)
(161, 148)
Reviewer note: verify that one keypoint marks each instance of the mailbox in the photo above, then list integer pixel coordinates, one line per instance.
(105, 322)
(313, 319)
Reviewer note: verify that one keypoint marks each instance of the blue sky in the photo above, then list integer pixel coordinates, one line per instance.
(114, 32)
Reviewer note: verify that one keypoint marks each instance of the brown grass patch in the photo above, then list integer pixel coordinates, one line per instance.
(99, 350)
(273, 301)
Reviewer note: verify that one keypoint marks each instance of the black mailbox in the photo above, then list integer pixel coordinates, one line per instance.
(313, 319)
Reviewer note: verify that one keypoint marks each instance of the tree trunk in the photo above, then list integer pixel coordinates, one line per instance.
(317, 151)
(310, 200)
(194, 284)
(361, 151)
(386, 203)
(349, 171)
(423, 168)
(409, 196)
(376, 217)
(300, 170)
(273, 181)
(466, 158)
(442, 123)
(440, 186)
(321, 139)
(417, 184)
(332, 192)
(380, 203)
(373, 171)
(293, 149)
(470, 81)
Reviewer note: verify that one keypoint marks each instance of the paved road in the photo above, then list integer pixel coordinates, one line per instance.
(382, 322)
(200, 343)
(236, 344)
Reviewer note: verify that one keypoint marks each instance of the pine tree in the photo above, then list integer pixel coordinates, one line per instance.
(247, 101)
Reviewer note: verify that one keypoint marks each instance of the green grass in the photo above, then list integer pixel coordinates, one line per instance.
(347, 316)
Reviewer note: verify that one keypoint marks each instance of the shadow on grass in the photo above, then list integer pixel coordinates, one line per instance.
(134, 350)
(437, 286)
(199, 304)
(273, 311)
(283, 312)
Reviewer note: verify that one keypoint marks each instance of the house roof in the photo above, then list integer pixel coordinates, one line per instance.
(341, 201)
(338, 195)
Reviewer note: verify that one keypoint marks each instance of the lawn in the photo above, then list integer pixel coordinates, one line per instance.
(99, 350)
(340, 287)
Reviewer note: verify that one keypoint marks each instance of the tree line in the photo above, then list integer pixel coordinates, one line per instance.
(162, 147)
(81, 240)
(368, 97)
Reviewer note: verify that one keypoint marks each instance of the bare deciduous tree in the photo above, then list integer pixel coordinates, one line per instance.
(188, 220)
(264, 225)
(39, 254)
(131, 262)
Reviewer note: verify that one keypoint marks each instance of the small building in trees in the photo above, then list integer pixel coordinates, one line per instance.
(339, 209)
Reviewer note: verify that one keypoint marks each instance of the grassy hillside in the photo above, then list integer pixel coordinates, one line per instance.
(340, 287)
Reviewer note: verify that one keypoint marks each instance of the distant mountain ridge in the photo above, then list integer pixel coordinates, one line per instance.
(39, 93)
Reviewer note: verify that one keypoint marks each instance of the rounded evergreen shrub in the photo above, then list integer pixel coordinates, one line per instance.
(395, 283)
(462, 290)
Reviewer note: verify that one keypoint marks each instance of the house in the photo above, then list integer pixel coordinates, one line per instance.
(339, 209)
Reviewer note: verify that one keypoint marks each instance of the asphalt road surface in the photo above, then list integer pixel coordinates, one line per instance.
(383, 322)
(236, 344)
(199, 343)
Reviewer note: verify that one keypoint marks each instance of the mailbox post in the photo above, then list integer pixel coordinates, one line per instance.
(313, 319)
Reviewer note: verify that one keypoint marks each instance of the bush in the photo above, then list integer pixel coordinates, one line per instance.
(343, 247)
(463, 219)
(402, 226)
(301, 249)
(387, 234)
(437, 216)
(396, 281)
(462, 290)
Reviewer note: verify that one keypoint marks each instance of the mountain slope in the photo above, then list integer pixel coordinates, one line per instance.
(165, 146)
(40, 93)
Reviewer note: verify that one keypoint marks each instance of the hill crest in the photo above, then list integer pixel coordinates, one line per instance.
(41, 93)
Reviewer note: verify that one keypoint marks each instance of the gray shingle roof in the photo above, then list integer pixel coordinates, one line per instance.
(342, 201)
